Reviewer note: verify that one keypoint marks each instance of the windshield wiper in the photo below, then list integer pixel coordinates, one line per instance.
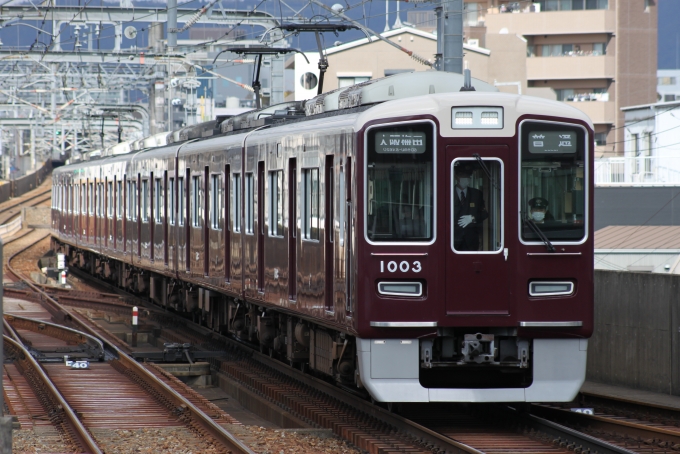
(485, 169)
(532, 225)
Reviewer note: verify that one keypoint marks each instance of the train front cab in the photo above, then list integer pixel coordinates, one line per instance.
(499, 312)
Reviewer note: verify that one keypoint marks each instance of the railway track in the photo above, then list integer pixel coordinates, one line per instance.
(422, 428)
(131, 389)
(639, 427)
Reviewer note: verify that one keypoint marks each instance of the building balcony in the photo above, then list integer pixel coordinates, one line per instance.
(552, 22)
(600, 112)
(637, 171)
(569, 68)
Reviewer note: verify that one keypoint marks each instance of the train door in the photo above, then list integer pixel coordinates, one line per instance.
(292, 229)
(164, 219)
(329, 231)
(108, 215)
(260, 226)
(152, 215)
(475, 217)
(208, 216)
(226, 224)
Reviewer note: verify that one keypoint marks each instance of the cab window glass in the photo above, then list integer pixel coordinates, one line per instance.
(477, 211)
(400, 183)
(553, 188)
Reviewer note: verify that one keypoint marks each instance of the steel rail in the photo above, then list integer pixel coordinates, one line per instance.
(609, 424)
(58, 332)
(219, 433)
(572, 437)
(82, 437)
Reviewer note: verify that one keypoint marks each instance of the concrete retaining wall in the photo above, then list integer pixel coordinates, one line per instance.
(36, 217)
(636, 341)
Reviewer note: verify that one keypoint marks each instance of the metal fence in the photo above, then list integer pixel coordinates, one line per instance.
(638, 170)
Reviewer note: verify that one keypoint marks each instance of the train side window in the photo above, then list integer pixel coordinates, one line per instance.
(158, 201)
(83, 198)
(145, 200)
(128, 202)
(276, 203)
(180, 210)
(119, 200)
(171, 205)
(90, 199)
(133, 200)
(250, 201)
(98, 200)
(195, 200)
(76, 200)
(215, 201)
(310, 204)
(109, 199)
(236, 201)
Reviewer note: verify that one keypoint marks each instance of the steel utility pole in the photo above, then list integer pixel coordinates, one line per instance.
(449, 36)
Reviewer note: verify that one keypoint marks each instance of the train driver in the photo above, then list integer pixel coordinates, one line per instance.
(539, 210)
(469, 211)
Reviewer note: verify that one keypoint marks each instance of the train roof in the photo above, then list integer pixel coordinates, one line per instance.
(419, 91)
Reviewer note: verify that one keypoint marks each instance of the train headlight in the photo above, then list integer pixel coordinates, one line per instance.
(400, 288)
(551, 288)
(475, 117)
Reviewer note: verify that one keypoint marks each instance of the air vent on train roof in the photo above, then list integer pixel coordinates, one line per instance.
(398, 86)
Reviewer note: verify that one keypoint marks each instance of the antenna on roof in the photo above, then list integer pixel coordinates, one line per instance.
(467, 81)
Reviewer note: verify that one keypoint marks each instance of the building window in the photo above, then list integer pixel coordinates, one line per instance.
(599, 48)
(236, 201)
(310, 204)
(276, 203)
(215, 201)
(600, 138)
(470, 18)
(563, 5)
(347, 81)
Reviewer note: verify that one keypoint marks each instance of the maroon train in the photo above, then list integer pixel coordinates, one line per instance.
(336, 236)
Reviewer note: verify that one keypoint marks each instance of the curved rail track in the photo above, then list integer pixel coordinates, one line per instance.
(182, 409)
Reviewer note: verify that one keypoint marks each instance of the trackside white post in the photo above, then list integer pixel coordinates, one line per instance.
(135, 319)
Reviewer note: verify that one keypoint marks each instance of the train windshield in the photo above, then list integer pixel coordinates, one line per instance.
(553, 185)
(399, 183)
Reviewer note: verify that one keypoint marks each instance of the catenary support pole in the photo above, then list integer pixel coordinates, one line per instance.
(450, 35)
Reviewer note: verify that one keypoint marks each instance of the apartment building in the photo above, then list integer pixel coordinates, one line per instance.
(597, 55)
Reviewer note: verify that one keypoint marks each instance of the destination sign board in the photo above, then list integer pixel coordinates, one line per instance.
(552, 142)
(400, 142)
